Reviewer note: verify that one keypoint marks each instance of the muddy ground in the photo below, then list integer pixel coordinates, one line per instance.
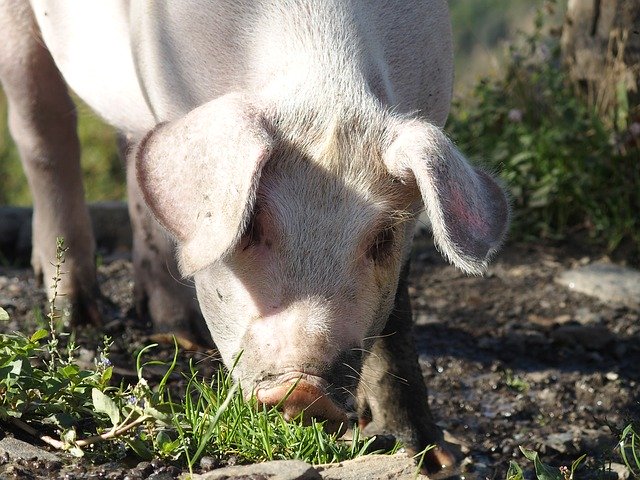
(510, 359)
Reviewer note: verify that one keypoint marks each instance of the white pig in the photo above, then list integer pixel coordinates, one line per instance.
(286, 146)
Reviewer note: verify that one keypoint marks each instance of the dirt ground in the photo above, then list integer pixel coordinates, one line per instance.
(511, 359)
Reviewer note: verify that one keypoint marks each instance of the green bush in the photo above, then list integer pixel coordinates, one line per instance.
(568, 170)
(102, 169)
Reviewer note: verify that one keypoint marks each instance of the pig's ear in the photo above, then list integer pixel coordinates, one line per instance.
(468, 210)
(199, 176)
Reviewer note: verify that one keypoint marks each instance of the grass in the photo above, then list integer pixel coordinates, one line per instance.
(630, 449)
(44, 392)
(102, 169)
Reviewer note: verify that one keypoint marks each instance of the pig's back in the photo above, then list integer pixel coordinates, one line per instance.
(316, 51)
(133, 60)
(89, 41)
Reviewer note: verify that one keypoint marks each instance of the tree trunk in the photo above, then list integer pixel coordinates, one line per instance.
(601, 47)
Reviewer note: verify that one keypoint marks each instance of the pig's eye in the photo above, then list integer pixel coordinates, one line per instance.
(251, 235)
(382, 245)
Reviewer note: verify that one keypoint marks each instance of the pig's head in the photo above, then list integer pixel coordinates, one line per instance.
(295, 230)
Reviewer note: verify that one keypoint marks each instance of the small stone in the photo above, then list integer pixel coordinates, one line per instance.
(157, 464)
(584, 316)
(208, 463)
(160, 476)
(17, 449)
(621, 470)
(559, 441)
(115, 474)
(145, 468)
(275, 470)
(612, 376)
(562, 319)
(172, 470)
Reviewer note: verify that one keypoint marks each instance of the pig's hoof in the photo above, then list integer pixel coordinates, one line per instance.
(300, 395)
(438, 462)
(79, 310)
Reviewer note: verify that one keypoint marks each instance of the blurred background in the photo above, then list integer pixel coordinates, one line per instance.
(546, 96)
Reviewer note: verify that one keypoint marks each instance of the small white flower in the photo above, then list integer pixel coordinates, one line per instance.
(544, 51)
(515, 115)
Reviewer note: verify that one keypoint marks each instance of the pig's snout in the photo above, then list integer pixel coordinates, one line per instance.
(304, 394)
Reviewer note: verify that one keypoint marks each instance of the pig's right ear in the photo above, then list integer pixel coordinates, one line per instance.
(199, 176)
(468, 209)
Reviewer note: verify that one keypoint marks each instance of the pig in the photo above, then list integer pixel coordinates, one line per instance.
(278, 154)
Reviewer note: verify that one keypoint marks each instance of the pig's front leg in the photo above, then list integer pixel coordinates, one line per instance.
(392, 392)
(42, 121)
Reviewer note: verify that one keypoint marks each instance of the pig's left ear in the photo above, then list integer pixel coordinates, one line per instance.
(468, 210)
(199, 176)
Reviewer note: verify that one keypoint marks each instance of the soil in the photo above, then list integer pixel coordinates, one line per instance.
(511, 359)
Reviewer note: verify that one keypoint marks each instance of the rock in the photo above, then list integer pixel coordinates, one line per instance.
(372, 467)
(17, 449)
(276, 470)
(621, 470)
(607, 282)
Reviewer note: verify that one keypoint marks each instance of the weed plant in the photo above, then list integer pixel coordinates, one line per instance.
(570, 168)
(543, 471)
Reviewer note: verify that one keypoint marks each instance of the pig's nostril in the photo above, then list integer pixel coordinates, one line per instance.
(296, 397)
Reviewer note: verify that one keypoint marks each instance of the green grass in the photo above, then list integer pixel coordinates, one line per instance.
(44, 392)
(102, 169)
(630, 449)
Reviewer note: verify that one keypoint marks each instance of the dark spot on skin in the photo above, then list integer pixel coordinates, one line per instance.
(145, 264)
(152, 246)
(220, 295)
(208, 214)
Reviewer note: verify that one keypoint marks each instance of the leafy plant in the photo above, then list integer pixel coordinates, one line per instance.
(543, 471)
(568, 170)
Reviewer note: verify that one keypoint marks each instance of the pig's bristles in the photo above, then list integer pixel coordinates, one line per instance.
(349, 392)
(359, 379)
(214, 355)
(185, 283)
(375, 337)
